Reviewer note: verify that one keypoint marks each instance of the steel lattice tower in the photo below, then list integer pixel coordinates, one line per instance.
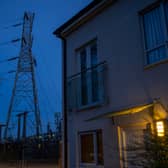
(24, 94)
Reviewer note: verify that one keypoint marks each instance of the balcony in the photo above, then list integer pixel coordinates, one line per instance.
(87, 88)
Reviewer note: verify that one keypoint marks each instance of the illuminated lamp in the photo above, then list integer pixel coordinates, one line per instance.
(160, 128)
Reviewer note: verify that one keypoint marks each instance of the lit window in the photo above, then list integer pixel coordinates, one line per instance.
(154, 27)
(91, 149)
(160, 128)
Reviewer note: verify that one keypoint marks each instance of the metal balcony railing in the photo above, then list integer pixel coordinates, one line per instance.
(87, 88)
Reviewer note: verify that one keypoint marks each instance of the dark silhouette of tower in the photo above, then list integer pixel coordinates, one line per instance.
(24, 94)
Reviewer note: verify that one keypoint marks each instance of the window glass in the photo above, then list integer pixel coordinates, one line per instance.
(89, 74)
(84, 87)
(166, 13)
(87, 148)
(83, 60)
(153, 28)
(154, 35)
(92, 147)
(89, 82)
(94, 73)
(93, 51)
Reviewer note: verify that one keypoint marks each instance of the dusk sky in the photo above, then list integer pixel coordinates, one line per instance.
(49, 15)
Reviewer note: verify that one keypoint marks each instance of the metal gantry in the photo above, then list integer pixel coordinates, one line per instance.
(24, 95)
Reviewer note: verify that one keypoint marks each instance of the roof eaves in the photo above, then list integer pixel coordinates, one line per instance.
(81, 13)
(125, 111)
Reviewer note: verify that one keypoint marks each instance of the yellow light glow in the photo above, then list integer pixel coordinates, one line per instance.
(160, 128)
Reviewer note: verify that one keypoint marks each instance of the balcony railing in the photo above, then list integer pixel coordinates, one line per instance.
(87, 88)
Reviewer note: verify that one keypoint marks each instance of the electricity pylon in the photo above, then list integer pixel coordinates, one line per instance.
(24, 94)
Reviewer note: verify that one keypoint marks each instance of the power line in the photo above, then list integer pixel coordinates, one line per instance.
(13, 25)
(46, 99)
(44, 89)
(51, 80)
(11, 41)
(11, 71)
(9, 59)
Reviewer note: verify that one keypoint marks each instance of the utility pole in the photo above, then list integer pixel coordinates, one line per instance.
(24, 125)
(24, 94)
(24, 128)
(18, 131)
(1, 126)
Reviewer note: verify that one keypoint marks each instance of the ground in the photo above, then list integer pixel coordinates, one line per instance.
(29, 165)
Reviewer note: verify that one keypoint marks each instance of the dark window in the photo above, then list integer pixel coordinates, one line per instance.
(89, 74)
(91, 147)
(84, 87)
(94, 73)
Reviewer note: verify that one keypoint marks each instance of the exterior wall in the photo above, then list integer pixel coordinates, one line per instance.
(119, 39)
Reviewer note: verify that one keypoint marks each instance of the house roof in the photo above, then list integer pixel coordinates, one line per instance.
(81, 15)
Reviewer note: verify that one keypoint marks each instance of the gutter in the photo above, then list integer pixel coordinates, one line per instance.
(64, 64)
(64, 107)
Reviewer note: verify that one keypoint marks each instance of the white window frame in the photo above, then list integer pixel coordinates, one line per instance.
(94, 133)
(165, 30)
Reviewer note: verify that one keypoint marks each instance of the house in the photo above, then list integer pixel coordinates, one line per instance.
(115, 80)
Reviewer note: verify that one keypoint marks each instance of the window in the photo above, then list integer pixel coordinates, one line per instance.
(155, 33)
(86, 88)
(89, 77)
(91, 147)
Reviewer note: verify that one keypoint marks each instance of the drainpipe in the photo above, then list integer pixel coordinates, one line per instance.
(65, 121)
(64, 107)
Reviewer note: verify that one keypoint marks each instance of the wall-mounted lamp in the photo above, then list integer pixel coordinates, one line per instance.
(160, 128)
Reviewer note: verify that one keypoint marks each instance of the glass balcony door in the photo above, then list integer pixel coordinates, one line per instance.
(89, 74)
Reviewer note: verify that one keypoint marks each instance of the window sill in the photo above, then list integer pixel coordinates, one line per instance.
(91, 105)
(146, 67)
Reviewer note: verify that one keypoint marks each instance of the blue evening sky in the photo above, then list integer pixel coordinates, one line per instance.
(49, 14)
